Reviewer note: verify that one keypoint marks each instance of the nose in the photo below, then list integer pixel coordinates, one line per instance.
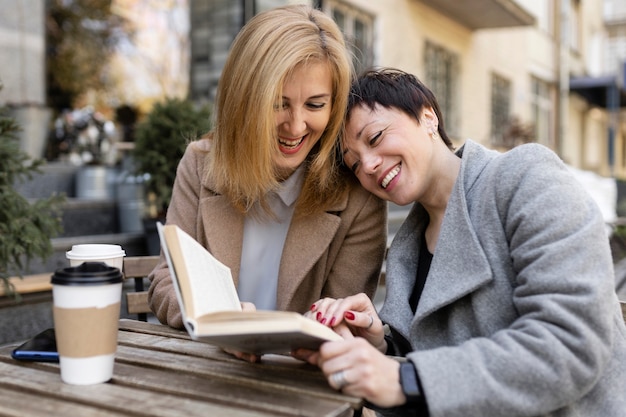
(370, 162)
(294, 122)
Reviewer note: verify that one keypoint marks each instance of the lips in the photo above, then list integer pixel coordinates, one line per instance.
(290, 145)
(390, 176)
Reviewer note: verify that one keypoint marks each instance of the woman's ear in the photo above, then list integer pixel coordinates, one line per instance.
(429, 119)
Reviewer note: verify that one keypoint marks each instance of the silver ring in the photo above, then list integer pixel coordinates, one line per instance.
(371, 322)
(339, 379)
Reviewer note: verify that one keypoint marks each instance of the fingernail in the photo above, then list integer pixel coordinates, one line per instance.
(332, 322)
(313, 307)
(349, 315)
(323, 321)
(318, 316)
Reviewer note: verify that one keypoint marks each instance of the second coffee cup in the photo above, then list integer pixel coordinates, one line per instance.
(112, 255)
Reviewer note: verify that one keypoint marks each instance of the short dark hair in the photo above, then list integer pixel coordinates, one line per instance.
(391, 87)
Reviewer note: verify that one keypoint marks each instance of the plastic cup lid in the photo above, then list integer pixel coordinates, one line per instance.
(87, 273)
(95, 251)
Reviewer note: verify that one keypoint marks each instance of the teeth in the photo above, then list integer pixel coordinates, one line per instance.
(392, 174)
(290, 143)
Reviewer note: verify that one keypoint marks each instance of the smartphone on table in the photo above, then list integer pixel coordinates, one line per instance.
(41, 348)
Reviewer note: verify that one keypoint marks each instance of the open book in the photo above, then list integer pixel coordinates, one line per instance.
(211, 309)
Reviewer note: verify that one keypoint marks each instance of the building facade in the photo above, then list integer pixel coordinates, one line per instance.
(505, 71)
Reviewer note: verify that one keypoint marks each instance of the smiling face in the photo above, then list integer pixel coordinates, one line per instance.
(302, 114)
(392, 155)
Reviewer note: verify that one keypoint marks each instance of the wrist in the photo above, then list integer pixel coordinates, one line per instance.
(410, 384)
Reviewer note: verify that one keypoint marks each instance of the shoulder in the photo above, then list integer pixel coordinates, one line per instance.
(363, 204)
(528, 162)
(534, 154)
(357, 195)
(529, 154)
(355, 199)
(194, 162)
(196, 153)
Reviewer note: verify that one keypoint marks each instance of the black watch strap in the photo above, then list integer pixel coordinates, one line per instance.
(409, 383)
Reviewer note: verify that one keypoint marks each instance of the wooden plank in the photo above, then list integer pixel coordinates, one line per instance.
(139, 266)
(135, 326)
(137, 302)
(261, 398)
(279, 378)
(16, 403)
(215, 390)
(116, 398)
(30, 283)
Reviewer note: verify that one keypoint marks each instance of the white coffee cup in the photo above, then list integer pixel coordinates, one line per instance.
(86, 309)
(112, 255)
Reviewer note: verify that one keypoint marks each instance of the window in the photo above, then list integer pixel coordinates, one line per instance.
(357, 27)
(541, 111)
(500, 108)
(574, 25)
(441, 76)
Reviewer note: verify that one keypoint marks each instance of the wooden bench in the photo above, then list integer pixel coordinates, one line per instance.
(137, 268)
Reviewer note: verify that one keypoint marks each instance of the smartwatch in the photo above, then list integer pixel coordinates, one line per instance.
(410, 386)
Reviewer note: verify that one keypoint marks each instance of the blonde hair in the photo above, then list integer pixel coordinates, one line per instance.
(263, 55)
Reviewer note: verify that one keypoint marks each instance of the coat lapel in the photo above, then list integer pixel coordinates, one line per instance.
(223, 229)
(307, 240)
(453, 273)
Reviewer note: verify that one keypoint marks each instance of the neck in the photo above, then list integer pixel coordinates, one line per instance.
(445, 177)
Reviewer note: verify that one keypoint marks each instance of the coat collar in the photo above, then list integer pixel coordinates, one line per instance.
(453, 273)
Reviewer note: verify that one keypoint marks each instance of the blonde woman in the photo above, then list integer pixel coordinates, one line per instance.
(262, 191)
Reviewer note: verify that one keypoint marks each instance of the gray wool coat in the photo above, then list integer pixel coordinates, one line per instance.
(335, 253)
(519, 315)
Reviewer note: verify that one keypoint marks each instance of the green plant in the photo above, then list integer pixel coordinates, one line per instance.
(160, 141)
(25, 227)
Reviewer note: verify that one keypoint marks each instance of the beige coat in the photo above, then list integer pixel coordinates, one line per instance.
(331, 254)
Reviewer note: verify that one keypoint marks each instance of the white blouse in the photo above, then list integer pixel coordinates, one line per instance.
(263, 241)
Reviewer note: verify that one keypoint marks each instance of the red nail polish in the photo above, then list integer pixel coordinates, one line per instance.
(332, 322)
(349, 315)
(318, 316)
(323, 321)
(313, 307)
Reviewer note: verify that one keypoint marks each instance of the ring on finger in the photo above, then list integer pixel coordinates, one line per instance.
(339, 379)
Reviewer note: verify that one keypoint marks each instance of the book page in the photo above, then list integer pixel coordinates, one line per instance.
(210, 283)
(263, 321)
(261, 332)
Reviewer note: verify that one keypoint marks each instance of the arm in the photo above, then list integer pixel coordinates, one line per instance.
(559, 340)
(365, 371)
(182, 211)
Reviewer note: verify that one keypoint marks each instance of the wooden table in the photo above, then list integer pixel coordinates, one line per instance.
(161, 372)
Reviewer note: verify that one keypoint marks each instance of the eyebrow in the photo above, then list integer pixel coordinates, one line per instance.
(318, 96)
(360, 132)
